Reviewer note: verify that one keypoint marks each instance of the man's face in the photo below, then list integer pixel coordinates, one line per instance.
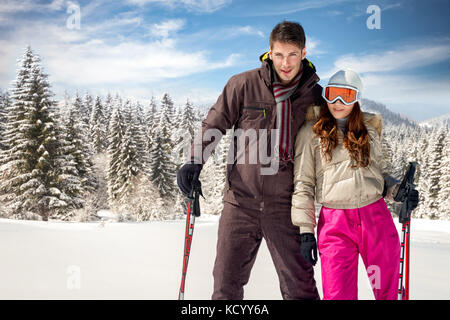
(287, 59)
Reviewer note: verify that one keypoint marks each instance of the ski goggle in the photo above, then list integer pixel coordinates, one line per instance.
(346, 94)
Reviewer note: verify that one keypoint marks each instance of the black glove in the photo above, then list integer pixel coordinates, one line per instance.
(389, 181)
(187, 175)
(413, 199)
(309, 247)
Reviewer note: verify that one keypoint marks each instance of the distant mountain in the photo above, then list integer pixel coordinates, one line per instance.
(436, 122)
(389, 117)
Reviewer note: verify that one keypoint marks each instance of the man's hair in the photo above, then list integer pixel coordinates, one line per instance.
(286, 31)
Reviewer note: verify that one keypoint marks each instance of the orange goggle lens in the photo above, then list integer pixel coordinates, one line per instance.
(348, 95)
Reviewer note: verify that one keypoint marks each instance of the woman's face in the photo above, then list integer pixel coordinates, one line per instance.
(340, 110)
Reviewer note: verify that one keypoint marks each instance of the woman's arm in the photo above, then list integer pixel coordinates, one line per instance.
(303, 209)
(390, 183)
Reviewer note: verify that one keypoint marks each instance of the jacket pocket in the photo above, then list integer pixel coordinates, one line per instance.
(252, 117)
(372, 183)
(338, 184)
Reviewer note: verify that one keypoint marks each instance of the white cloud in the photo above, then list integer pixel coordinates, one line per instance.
(292, 7)
(14, 6)
(206, 6)
(96, 62)
(404, 58)
(167, 27)
(79, 59)
(312, 47)
(245, 30)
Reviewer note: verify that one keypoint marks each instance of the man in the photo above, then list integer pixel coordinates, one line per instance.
(256, 204)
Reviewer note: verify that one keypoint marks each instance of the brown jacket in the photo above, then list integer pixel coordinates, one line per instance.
(247, 102)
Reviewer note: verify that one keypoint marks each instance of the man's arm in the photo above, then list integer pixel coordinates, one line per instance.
(222, 116)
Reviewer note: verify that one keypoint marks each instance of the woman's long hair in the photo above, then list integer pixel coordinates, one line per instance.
(356, 138)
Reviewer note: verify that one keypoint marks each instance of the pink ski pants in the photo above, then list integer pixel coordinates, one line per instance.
(343, 234)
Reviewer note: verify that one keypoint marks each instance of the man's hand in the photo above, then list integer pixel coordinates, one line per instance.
(187, 176)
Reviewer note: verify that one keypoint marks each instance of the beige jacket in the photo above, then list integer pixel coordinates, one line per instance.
(335, 184)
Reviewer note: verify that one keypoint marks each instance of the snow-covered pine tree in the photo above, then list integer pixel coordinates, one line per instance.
(78, 105)
(444, 182)
(221, 168)
(64, 110)
(36, 163)
(5, 103)
(130, 164)
(177, 115)
(88, 104)
(162, 168)
(188, 121)
(139, 135)
(151, 123)
(75, 135)
(422, 177)
(115, 138)
(387, 152)
(107, 111)
(128, 168)
(399, 157)
(97, 124)
(436, 157)
(167, 110)
(183, 135)
(69, 181)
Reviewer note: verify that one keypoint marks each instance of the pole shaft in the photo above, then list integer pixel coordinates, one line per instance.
(190, 221)
(407, 259)
(402, 262)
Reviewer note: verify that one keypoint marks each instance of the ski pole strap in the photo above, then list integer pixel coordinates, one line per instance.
(405, 187)
(194, 197)
(405, 214)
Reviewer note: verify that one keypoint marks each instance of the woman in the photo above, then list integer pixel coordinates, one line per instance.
(339, 163)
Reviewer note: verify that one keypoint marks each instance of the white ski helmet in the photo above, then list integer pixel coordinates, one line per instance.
(346, 77)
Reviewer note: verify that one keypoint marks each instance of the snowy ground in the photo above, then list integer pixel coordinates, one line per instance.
(110, 260)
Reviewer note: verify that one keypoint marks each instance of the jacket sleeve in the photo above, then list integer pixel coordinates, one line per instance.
(391, 184)
(222, 116)
(303, 209)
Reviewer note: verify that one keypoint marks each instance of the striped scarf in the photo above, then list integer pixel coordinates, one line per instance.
(282, 94)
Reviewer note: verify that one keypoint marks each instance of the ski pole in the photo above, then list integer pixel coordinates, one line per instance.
(408, 258)
(404, 217)
(193, 211)
(403, 292)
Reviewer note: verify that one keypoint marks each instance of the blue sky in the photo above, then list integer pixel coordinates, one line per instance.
(190, 48)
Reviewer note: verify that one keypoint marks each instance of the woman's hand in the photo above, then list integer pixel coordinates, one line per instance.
(309, 247)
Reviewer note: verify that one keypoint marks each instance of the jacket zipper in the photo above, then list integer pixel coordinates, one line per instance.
(358, 187)
(257, 108)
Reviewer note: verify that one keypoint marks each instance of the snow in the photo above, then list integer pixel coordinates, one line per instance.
(116, 260)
